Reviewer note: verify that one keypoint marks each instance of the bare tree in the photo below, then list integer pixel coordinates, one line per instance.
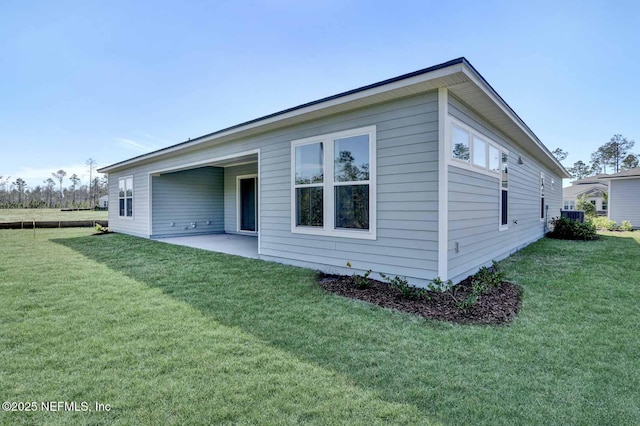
(75, 180)
(21, 185)
(92, 165)
(59, 176)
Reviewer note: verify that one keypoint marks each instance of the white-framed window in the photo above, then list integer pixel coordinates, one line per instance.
(334, 184)
(569, 204)
(541, 196)
(604, 205)
(504, 190)
(125, 196)
(474, 151)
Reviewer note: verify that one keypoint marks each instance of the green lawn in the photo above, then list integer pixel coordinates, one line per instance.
(168, 334)
(17, 215)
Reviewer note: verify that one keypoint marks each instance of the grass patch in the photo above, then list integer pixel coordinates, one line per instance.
(171, 334)
(23, 215)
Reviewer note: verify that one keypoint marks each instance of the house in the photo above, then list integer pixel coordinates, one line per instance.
(594, 188)
(624, 196)
(103, 202)
(429, 174)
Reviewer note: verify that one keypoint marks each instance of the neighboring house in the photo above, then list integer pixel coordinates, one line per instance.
(103, 202)
(429, 174)
(594, 188)
(624, 196)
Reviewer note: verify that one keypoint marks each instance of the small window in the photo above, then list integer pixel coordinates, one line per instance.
(604, 205)
(541, 196)
(461, 145)
(125, 196)
(309, 187)
(479, 152)
(474, 150)
(504, 191)
(351, 187)
(494, 159)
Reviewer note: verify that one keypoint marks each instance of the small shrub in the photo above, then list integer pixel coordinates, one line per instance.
(626, 226)
(361, 281)
(408, 291)
(101, 229)
(567, 229)
(603, 223)
(584, 204)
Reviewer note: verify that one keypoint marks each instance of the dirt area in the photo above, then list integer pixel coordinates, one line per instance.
(498, 305)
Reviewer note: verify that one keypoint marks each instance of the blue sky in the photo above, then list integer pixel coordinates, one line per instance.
(112, 80)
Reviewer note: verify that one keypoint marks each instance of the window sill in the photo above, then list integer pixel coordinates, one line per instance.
(360, 235)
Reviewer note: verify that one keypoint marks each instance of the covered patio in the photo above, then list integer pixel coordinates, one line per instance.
(239, 245)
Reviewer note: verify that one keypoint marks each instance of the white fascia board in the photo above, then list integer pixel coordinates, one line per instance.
(297, 113)
(500, 103)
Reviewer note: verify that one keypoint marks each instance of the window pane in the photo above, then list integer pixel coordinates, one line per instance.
(352, 206)
(309, 206)
(121, 206)
(309, 163)
(494, 159)
(351, 159)
(479, 152)
(121, 183)
(460, 144)
(129, 207)
(505, 207)
(129, 187)
(505, 170)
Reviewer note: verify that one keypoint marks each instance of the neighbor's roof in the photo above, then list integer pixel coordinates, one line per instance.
(458, 75)
(626, 174)
(576, 190)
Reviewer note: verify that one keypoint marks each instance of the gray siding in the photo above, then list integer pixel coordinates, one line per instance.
(474, 215)
(188, 197)
(624, 201)
(230, 194)
(407, 210)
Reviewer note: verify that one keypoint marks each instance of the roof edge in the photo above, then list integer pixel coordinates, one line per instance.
(199, 139)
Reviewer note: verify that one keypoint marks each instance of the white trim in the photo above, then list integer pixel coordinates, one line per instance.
(543, 196)
(207, 162)
(149, 217)
(194, 165)
(444, 151)
(473, 133)
(238, 179)
(133, 197)
(609, 200)
(259, 181)
(328, 185)
(502, 227)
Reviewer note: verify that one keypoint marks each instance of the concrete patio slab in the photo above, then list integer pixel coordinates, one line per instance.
(239, 245)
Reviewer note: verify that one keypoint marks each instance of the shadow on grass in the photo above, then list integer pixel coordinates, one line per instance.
(457, 374)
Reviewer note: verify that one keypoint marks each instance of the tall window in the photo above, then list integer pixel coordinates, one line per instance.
(504, 191)
(541, 196)
(309, 184)
(334, 184)
(125, 196)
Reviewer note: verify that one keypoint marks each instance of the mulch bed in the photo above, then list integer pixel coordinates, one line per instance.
(499, 305)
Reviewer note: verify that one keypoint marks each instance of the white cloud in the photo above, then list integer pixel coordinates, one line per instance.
(134, 145)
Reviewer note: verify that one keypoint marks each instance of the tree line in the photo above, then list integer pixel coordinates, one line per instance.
(612, 157)
(52, 193)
